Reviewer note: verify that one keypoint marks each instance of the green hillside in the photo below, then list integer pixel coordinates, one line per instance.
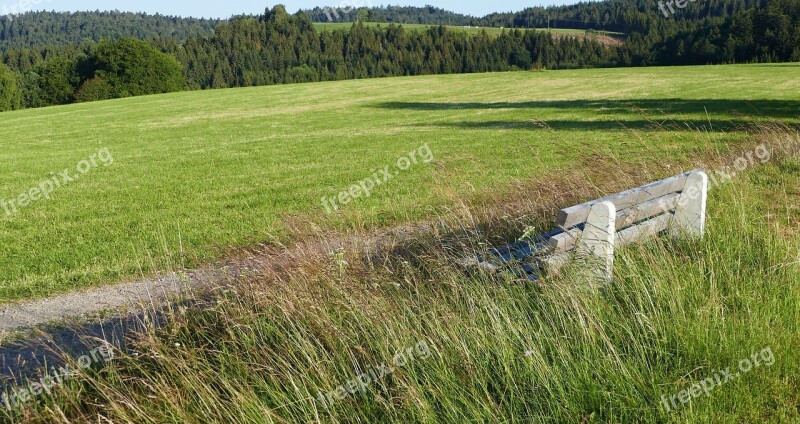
(196, 174)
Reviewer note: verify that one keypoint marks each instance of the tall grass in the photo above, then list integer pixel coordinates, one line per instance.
(500, 350)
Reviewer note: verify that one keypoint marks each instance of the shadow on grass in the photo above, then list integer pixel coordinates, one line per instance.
(668, 112)
(34, 356)
(642, 125)
(777, 109)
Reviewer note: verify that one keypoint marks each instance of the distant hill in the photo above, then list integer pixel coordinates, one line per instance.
(428, 15)
(610, 15)
(63, 63)
(37, 29)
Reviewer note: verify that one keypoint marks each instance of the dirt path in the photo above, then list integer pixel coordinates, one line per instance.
(123, 298)
(77, 322)
(126, 299)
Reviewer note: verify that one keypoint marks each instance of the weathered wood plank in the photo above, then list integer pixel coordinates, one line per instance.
(567, 240)
(538, 246)
(575, 215)
(649, 228)
(643, 211)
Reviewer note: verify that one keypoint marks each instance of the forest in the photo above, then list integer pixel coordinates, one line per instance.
(609, 15)
(42, 29)
(53, 58)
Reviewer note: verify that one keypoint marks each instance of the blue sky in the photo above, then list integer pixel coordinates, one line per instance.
(226, 8)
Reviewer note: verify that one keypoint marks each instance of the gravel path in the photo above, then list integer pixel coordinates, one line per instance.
(125, 298)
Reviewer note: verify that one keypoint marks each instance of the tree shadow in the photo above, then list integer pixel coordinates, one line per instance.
(609, 125)
(744, 110)
(640, 114)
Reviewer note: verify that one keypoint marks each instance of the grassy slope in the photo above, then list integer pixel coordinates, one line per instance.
(469, 30)
(198, 173)
(499, 352)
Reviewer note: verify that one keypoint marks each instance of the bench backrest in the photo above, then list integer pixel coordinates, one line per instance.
(677, 202)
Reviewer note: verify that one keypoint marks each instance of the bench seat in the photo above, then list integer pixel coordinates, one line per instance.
(593, 230)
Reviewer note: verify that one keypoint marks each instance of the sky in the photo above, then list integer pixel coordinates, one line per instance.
(226, 8)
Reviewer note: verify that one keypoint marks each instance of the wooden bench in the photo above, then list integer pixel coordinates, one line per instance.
(590, 232)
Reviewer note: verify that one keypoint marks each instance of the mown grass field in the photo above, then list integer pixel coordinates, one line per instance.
(494, 31)
(198, 174)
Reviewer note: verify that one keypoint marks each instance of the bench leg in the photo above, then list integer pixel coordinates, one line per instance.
(597, 242)
(690, 213)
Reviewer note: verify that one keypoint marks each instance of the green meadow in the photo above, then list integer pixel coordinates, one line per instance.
(198, 175)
